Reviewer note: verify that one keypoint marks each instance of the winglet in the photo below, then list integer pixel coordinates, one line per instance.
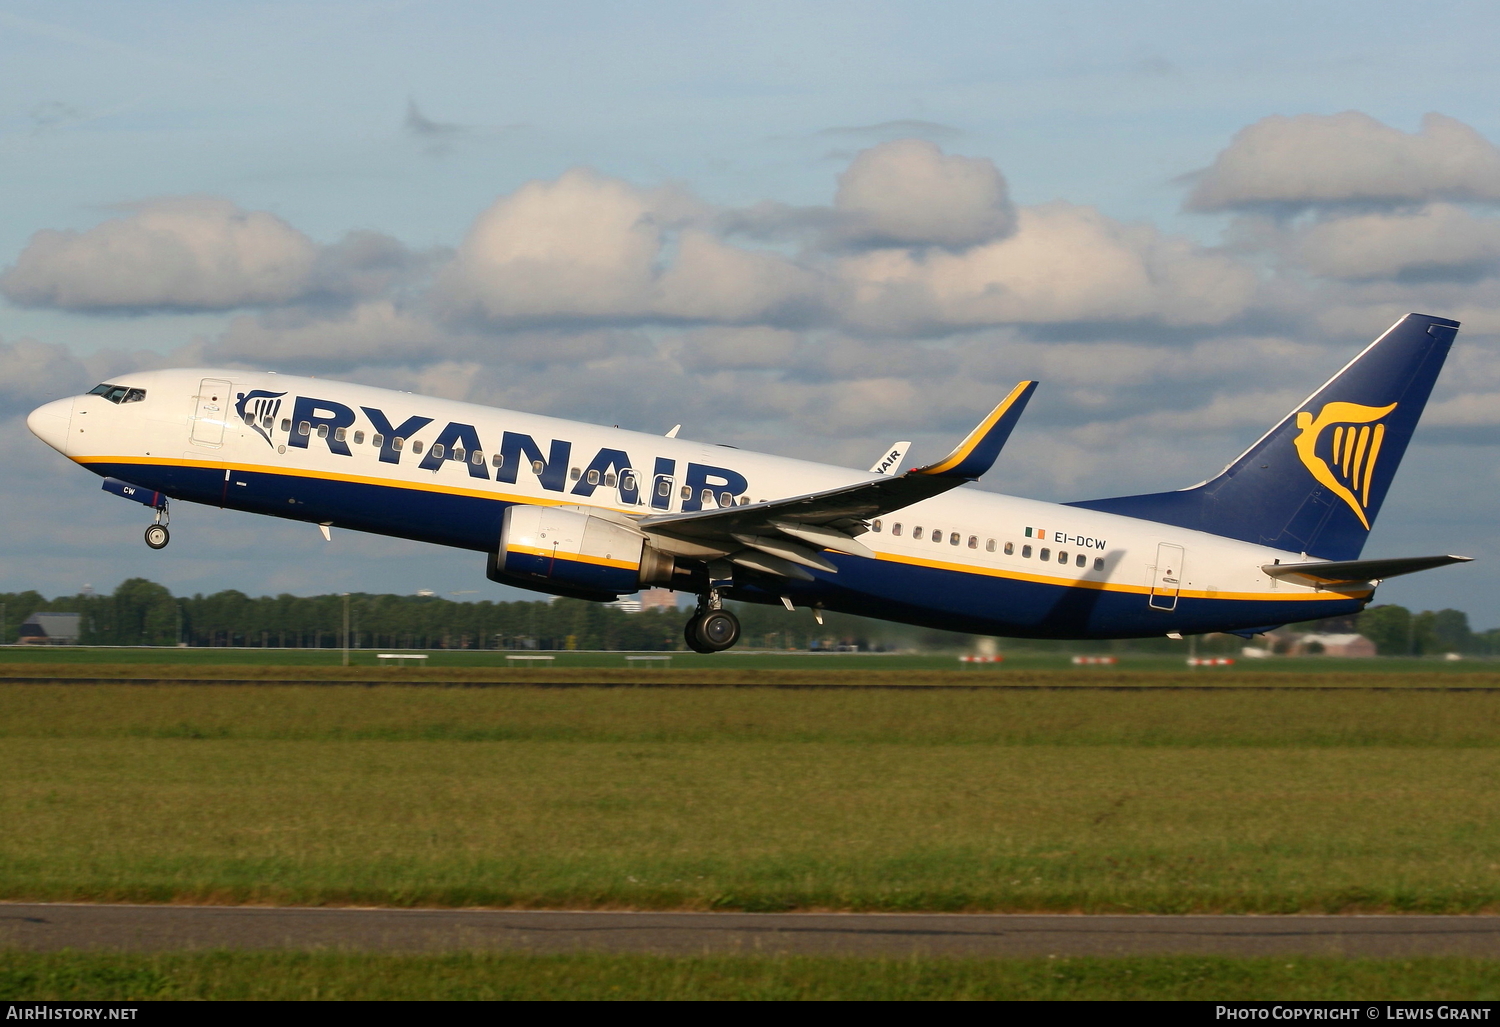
(977, 453)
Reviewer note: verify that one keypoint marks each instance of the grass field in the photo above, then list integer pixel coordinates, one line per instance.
(1173, 801)
(14, 657)
(331, 975)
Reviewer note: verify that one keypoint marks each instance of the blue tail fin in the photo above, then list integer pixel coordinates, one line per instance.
(1314, 483)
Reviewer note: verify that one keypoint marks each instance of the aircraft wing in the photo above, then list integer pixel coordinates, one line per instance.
(1347, 572)
(784, 534)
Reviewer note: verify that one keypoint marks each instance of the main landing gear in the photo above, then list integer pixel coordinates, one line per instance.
(712, 629)
(157, 535)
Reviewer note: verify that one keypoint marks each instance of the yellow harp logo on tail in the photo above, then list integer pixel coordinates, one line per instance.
(1348, 467)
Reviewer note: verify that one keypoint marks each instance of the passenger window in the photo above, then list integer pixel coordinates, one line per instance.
(477, 459)
(304, 428)
(1098, 563)
(250, 419)
(974, 542)
(916, 532)
(955, 538)
(687, 492)
(416, 447)
(537, 467)
(593, 477)
(359, 438)
(937, 536)
(896, 528)
(744, 501)
(989, 547)
(340, 434)
(609, 480)
(1062, 557)
(1010, 548)
(1045, 554)
(378, 441)
(1026, 552)
(286, 424)
(726, 499)
(664, 487)
(322, 431)
(459, 454)
(875, 526)
(706, 497)
(575, 474)
(1081, 560)
(498, 459)
(437, 450)
(398, 443)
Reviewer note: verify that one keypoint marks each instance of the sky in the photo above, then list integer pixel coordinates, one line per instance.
(804, 228)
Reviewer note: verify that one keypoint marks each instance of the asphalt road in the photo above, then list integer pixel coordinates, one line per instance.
(52, 926)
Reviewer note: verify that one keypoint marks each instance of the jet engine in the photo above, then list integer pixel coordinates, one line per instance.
(576, 552)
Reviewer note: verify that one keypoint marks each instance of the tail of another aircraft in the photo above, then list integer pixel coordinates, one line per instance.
(1314, 483)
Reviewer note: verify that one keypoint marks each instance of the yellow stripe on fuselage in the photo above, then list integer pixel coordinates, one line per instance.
(913, 561)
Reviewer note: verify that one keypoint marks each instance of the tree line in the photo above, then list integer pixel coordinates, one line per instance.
(141, 612)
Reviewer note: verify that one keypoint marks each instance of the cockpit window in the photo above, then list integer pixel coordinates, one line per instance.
(118, 393)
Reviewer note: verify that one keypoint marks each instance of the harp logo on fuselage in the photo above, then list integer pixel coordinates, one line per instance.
(1345, 465)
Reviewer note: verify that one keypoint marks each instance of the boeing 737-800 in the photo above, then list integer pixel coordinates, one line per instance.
(580, 510)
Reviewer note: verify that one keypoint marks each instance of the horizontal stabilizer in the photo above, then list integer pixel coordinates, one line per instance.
(977, 453)
(1348, 572)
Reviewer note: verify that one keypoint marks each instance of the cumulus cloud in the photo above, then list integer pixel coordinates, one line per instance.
(587, 247)
(32, 373)
(1439, 240)
(1347, 158)
(908, 192)
(197, 253)
(1064, 263)
(193, 253)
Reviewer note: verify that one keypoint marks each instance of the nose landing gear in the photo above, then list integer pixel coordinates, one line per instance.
(712, 629)
(157, 535)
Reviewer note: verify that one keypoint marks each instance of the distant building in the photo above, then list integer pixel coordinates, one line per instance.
(1333, 645)
(51, 629)
(626, 605)
(658, 599)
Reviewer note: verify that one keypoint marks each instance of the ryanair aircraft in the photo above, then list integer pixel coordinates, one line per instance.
(590, 512)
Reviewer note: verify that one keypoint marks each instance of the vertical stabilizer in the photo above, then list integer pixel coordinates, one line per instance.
(1314, 483)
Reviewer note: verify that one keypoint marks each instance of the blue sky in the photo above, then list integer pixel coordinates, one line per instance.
(751, 128)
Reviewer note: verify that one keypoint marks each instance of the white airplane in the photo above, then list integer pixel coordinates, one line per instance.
(590, 512)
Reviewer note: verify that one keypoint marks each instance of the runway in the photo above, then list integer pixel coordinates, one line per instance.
(53, 926)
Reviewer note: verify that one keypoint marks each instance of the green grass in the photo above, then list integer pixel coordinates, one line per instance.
(340, 975)
(759, 799)
(1017, 659)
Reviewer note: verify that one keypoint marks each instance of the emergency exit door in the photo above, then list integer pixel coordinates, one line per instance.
(210, 412)
(1166, 577)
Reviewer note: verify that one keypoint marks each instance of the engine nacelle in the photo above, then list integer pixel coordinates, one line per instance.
(569, 551)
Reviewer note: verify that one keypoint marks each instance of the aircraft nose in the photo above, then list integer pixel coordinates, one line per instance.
(50, 421)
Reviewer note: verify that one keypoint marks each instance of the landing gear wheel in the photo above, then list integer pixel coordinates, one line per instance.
(690, 635)
(714, 631)
(157, 537)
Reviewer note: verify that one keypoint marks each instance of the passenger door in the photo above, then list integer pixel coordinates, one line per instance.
(210, 411)
(1166, 576)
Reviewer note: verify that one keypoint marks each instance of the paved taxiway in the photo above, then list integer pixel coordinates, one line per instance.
(52, 926)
